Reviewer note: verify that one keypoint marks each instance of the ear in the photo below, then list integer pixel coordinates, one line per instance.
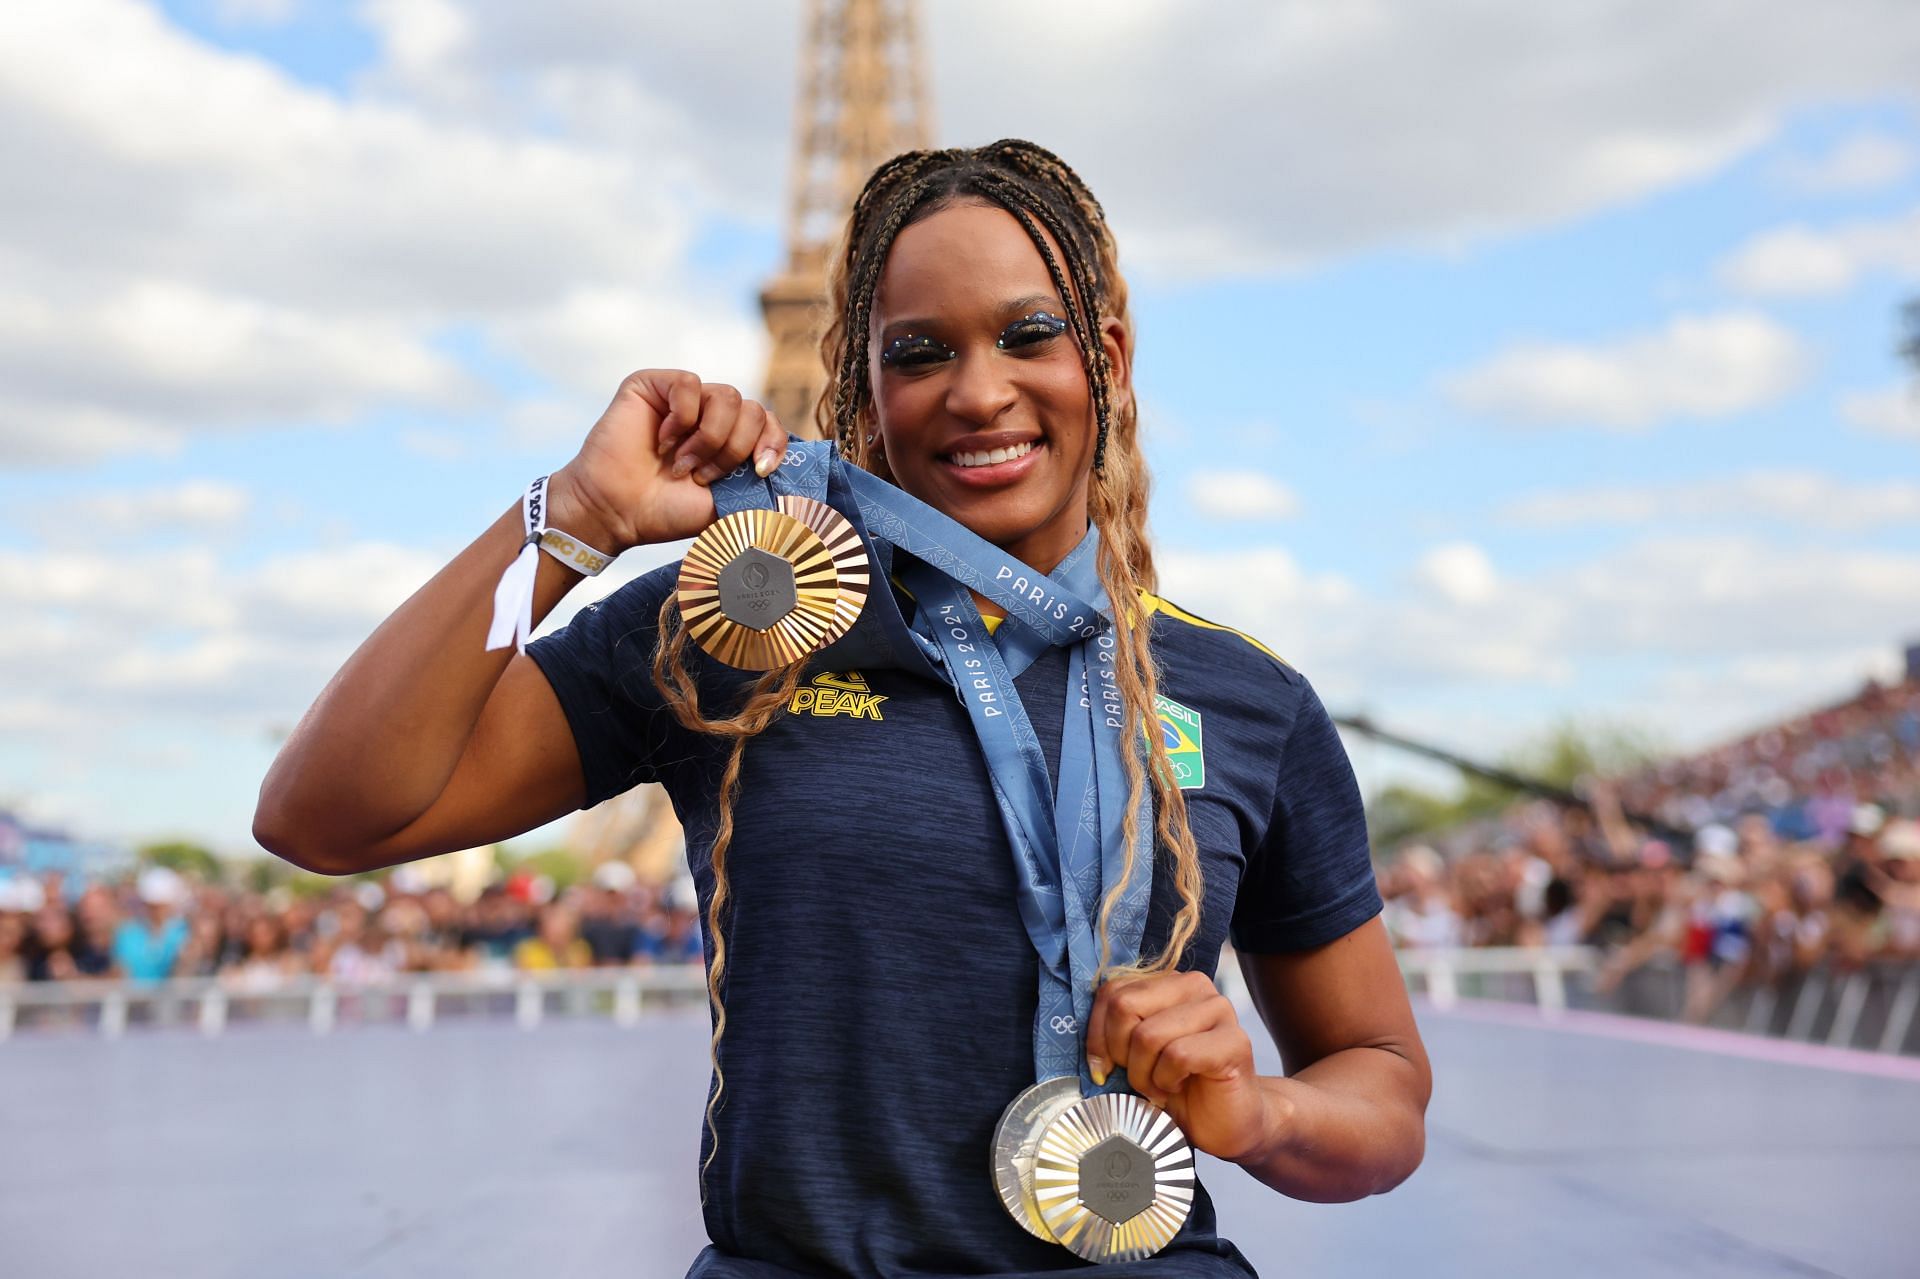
(1118, 341)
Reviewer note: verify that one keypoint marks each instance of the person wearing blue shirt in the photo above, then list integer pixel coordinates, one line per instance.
(873, 984)
(146, 946)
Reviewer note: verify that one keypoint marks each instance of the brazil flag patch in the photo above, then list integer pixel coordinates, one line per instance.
(1180, 730)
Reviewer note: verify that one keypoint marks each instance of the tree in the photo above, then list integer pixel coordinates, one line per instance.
(189, 859)
(1560, 757)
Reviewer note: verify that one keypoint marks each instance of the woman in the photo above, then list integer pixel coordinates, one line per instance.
(874, 990)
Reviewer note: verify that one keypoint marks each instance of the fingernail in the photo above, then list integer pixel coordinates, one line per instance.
(707, 474)
(664, 439)
(763, 464)
(1098, 1069)
(681, 466)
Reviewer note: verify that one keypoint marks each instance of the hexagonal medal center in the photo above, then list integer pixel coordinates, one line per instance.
(1116, 1179)
(756, 589)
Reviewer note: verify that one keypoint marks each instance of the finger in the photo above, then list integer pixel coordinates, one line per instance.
(676, 396)
(719, 410)
(1152, 1037)
(683, 409)
(772, 447)
(1216, 1053)
(739, 446)
(1122, 1004)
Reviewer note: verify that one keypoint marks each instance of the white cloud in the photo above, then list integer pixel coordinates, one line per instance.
(1457, 121)
(208, 244)
(1800, 261)
(1458, 572)
(1714, 606)
(1857, 162)
(195, 506)
(1699, 366)
(1893, 410)
(1806, 498)
(158, 359)
(1240, 495)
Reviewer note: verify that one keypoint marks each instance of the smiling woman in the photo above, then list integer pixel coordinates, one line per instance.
(963, 907)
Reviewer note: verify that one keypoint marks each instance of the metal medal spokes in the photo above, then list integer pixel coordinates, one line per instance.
(760, 589)
(1016, 1140)
(1113, 1177)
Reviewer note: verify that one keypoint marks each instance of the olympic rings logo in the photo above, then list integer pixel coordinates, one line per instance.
(1064, 1025)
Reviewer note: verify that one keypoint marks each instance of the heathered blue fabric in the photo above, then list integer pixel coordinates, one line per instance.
(879, 986)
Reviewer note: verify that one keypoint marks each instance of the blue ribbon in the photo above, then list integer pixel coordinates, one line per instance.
(1067, 841)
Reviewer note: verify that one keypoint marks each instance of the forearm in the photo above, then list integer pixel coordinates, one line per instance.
(1348, 1126)
(381, 740)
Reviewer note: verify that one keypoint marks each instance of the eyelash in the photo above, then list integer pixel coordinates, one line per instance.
(1035, 327)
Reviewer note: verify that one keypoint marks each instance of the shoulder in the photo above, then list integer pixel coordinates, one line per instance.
(1184, 637)
(1231, 675)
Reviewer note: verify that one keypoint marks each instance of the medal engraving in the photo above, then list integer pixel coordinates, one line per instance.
(756, 589)
(1116, 1180)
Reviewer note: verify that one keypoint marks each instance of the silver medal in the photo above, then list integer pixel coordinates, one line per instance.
(1113, 1177)
(1016, 1139)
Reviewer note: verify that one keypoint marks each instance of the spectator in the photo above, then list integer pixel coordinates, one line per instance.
(146, 947)
(557, 944)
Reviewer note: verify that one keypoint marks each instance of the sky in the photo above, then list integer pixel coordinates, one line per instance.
(1502, 364)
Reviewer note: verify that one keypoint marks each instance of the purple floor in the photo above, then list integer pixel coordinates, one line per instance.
(482, 1150)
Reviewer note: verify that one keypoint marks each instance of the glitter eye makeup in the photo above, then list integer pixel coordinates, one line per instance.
(914, 350)
(1036, 326)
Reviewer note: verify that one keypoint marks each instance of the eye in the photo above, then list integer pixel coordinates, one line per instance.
(1030, 329)
(913, 351)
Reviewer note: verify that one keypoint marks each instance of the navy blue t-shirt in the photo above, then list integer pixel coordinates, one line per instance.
(879, 985)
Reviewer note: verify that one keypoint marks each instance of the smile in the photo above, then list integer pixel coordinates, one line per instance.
(992, 457)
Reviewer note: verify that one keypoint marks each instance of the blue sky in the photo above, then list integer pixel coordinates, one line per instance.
(1595, 416)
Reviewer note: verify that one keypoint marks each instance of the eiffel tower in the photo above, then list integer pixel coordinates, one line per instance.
(862, 100)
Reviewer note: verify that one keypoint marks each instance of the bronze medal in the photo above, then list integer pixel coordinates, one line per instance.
(760, 589)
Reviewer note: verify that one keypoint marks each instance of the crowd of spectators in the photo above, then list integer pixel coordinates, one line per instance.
(1751, 863)
(160, 924)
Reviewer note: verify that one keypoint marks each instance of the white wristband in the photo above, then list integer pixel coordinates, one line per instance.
(513, 597)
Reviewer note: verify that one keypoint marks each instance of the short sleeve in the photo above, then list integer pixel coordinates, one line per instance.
(1311, 879)
(600, 665)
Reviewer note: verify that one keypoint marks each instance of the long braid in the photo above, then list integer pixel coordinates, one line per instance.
(1045, 195)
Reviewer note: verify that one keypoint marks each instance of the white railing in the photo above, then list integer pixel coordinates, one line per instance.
(1877, 1007)
(1437, 973)
(417, 999)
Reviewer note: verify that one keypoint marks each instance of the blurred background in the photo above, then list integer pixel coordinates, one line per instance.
(1539, 379)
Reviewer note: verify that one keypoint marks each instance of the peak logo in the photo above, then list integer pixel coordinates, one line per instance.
(837, 693)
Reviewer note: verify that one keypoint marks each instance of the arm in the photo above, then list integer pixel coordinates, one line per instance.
(425, 742)
(1346, 1121)
(1349, 1117)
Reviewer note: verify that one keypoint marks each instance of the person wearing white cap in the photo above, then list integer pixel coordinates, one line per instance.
(147, 946)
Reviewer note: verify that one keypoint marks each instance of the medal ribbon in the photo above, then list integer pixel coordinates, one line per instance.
(1067, 843)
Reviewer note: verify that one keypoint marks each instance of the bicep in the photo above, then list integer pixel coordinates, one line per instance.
(1346, 993)
(521, 769)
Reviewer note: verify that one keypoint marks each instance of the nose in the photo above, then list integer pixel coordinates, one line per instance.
(979, 388)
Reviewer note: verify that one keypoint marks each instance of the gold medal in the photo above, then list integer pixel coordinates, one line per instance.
(1113, 1178)
(760, 589)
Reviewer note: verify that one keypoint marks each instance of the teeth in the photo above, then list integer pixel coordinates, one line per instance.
(993, 457)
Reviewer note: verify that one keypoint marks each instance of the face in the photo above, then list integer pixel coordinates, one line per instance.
(971, 360)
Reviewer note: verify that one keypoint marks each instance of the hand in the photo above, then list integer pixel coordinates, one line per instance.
(641, 475)
(1181, 1043)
